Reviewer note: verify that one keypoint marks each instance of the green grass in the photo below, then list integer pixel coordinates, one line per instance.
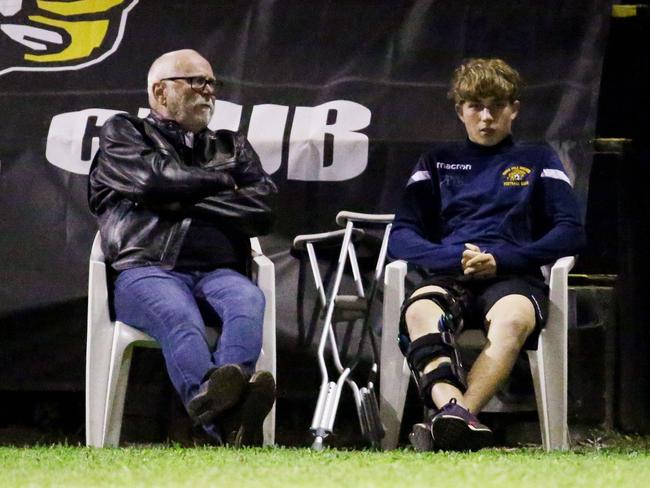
(627, 464)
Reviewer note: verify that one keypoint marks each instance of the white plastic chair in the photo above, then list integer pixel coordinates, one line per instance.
(110, 347)
(548, 363)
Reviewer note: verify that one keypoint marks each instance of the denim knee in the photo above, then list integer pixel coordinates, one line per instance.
(254, 299)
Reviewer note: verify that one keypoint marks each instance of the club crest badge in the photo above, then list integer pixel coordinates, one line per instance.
(516, 176)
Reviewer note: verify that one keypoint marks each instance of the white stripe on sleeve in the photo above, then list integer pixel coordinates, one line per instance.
(555, 174)
(419, 176)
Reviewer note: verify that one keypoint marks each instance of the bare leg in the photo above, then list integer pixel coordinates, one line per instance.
(510, 321)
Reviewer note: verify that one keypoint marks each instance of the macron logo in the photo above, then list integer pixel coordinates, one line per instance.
(461, 166)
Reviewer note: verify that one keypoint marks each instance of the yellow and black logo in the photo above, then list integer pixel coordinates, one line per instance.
(44, 35)
(516, 176)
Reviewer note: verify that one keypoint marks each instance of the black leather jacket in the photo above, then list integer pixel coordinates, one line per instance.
(145, 185)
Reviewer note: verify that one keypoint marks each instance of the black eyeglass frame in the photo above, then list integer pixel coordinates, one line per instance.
(196, 85)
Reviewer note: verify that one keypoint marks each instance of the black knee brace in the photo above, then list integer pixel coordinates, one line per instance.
(422, 351)
(425, 349)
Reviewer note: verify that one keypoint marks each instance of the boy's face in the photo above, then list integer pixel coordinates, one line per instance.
(487, 120)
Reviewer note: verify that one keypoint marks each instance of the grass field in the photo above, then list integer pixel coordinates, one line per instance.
(627, 464)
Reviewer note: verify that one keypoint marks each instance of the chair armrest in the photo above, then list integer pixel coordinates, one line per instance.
(262, 265)
(263, 271)
(256, 248)
(394, 291)
(558, 283)
(558, 293)
(564, 264)
(395, 274)
(263, 275)
(98, 311)
(96, 253)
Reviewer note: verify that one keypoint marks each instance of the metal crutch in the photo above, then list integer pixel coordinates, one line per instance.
(350, 307)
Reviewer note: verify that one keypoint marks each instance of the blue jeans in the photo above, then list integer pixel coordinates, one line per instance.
(174, 308)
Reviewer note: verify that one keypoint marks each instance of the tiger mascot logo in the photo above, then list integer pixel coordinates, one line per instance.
(48, 35)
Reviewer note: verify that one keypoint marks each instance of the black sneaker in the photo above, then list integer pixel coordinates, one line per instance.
(220, 392)
(421, 438)
(243, 425)
(454, 428)
(200, 438)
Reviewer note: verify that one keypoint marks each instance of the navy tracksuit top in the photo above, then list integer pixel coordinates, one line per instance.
(514, 201)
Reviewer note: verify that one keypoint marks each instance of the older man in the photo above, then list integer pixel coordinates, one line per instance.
(176, 204)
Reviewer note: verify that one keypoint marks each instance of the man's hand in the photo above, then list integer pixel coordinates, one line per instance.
(478, 264)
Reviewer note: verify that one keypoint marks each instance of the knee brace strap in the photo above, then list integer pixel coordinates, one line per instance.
(452, 314)
(447, 373)
(425, 349)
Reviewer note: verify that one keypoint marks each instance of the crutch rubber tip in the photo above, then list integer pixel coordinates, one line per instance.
(318, 444)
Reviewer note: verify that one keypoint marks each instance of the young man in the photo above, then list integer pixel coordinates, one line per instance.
(480, 217)
(176, 205)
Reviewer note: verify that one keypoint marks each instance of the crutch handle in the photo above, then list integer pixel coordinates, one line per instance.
(328, 238)
(343, 216)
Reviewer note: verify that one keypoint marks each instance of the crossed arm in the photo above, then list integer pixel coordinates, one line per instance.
(139, 164)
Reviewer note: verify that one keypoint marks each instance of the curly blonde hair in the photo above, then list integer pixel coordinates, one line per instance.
(483, 78)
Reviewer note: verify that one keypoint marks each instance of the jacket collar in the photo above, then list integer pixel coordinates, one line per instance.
(160, 122)
(172, 129)
(478, 149)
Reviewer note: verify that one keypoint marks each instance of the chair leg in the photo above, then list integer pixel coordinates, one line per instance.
(98, 357)
(394, 382)
(265, 362)
(117, 383)
(99, 341)
(394, 372)
(553, 355)
(549, 379)
(537, 372)
(265, 278)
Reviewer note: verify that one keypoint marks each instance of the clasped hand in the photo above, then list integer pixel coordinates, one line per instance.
(477, 263)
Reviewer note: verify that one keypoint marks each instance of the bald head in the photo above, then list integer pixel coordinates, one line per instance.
(169, 86)
(184, 62)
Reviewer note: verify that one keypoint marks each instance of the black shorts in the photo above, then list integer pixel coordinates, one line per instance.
(476, 297)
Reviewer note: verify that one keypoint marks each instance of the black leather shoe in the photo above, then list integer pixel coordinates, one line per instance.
(257, 404)
(220, 392)
(243, 425)
(200, 438)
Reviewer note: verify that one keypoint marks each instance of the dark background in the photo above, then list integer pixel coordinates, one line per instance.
(393, 57)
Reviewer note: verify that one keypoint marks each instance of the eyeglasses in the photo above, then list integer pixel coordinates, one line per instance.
(199, 83)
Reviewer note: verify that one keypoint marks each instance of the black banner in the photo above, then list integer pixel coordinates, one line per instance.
(338, 97)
